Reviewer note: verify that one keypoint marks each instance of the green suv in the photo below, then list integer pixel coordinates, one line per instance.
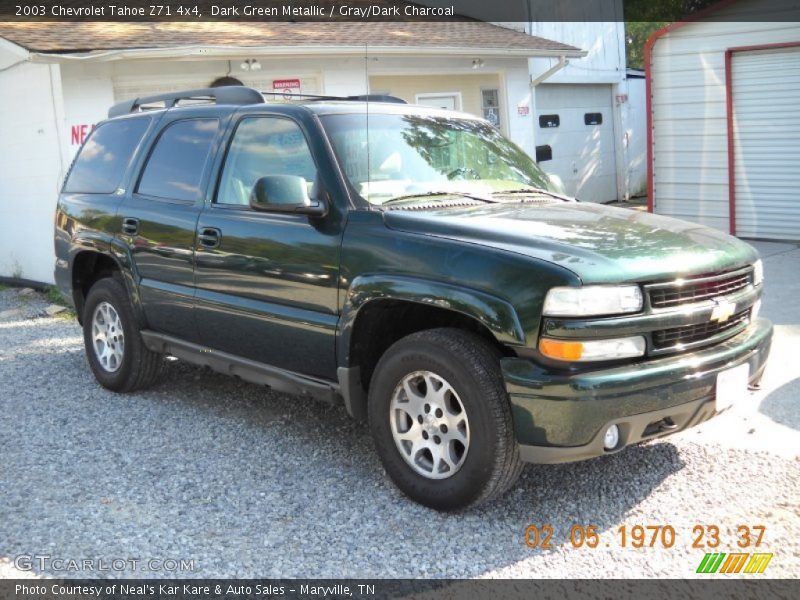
(409, 263)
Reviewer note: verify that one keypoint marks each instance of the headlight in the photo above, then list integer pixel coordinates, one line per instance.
(758, 272)
(592, 300)
(587, 350)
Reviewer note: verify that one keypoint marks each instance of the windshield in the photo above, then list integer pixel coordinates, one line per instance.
(400, 156)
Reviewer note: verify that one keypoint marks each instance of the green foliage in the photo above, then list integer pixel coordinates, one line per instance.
(636, 35)
(644, 17)
(54, 296)
(663, 10)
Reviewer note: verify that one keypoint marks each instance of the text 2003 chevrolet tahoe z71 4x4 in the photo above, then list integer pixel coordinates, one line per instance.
(410, 262)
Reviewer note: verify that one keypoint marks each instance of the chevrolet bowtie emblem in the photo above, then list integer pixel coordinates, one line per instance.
(723, 310)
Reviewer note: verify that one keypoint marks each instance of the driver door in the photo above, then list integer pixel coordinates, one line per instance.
(267, 283)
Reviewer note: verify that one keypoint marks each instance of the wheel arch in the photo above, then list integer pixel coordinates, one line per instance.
(380, 309)
(95, 259)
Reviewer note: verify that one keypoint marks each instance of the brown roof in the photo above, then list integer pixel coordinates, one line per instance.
(64, 37)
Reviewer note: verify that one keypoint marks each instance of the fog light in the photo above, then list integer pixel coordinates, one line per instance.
(611, 438)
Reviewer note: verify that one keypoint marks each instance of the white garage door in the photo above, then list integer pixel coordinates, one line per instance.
(576, 122)
(766, 99)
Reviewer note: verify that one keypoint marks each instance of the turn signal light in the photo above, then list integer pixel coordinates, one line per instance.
(589, 350)
(561, 350)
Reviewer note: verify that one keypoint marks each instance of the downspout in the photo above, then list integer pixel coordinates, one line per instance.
(562, 62)
(58, 117)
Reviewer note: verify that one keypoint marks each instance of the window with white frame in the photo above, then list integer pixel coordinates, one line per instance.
(490, 106)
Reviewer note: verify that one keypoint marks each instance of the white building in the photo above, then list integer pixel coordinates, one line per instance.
(58, 81)
(722, 114)
(581, 110)
(590, 125)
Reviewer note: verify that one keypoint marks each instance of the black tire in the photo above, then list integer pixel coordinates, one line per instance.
(491, 465)
(139, 367)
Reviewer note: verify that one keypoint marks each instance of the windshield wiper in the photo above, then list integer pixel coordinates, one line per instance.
(524, 190)
(534, 190)
(407, 197)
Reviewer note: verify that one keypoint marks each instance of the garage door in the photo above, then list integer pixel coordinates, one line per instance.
(575, 138)
(766, 133)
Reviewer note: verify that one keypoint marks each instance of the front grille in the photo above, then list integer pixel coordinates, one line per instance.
(695, 333)
(696, 290)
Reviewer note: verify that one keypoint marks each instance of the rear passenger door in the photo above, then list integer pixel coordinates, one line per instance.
(267, 283)
(159, 217)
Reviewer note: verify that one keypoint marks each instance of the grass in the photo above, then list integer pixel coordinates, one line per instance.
(54, 296)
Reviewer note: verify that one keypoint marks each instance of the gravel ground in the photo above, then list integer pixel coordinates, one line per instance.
(249, 483)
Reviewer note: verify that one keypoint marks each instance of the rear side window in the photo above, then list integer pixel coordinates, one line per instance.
(175, 167)
(102, 161)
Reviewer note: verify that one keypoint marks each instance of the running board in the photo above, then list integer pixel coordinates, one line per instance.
(279, 380)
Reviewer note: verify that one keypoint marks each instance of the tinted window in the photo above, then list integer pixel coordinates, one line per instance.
(175, 167)
(99, 167)
(546, 121)
(263, 146)
(543, 153)
(593, 118)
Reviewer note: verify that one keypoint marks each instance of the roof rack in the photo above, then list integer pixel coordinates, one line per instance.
(377, 98)
(229, 94)
(360, 98)
(232, 94)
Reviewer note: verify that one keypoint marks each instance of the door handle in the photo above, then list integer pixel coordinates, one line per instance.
(209, 237)
(130, 226)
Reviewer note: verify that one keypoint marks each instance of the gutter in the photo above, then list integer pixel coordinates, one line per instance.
(198, 52)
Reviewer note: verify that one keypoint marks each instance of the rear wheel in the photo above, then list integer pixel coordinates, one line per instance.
(441, 420)
(117, 355)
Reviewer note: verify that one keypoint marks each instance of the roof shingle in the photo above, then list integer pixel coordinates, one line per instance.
(71, 37)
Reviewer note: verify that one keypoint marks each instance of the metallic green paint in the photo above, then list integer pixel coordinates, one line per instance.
(469, 275)
(600, 244)
(561, 409)
(497, 315)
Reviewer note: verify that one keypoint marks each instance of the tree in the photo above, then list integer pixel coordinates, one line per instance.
(644, 17)
(636, 35)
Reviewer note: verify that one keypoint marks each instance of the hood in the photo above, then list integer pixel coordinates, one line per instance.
(600, 244)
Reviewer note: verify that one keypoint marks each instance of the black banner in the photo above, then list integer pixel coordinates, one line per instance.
(398, 10)
(380, 589)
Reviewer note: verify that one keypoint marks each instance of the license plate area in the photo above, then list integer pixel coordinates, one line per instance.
(731, 386)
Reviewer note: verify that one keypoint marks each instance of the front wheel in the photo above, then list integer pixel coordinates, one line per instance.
(441, 420)
(114, 347)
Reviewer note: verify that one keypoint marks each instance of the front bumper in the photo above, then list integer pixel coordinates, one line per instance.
(562, 418)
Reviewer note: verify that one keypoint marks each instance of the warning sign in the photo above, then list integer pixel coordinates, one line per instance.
(286, 86)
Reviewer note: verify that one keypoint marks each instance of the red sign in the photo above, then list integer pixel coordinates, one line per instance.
(283, 84)
(78, 133)
(523, 111)
(286, 86)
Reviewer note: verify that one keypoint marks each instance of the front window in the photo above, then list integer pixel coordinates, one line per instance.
(389, 157)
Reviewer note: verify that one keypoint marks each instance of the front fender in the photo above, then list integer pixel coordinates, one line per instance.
(496, 314)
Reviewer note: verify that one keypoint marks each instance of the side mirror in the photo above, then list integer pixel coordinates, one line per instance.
(287, 194)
